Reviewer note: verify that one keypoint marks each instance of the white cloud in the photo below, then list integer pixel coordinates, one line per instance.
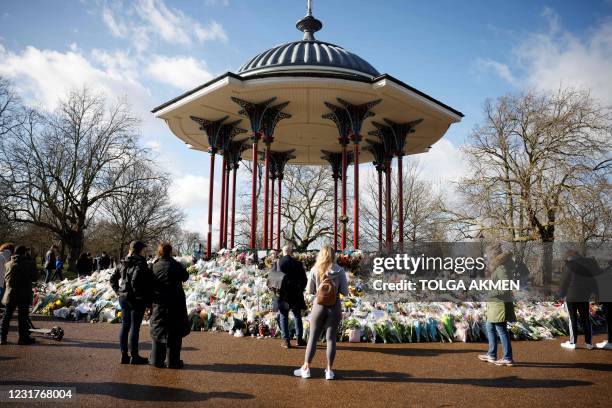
(556, 57)
(154, 145)
(214, 31)
(43, 76)
(224, 3)
(180, 72)
(117, 29)
(168, 23)
(551, 60)
(146, 19)
(502, 70)
(190, 190)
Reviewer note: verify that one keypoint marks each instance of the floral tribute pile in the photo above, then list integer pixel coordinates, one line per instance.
(230, 294)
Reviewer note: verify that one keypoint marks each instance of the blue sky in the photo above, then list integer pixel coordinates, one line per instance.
(152, 50)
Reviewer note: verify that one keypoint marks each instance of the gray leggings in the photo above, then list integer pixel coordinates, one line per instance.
(321, 318)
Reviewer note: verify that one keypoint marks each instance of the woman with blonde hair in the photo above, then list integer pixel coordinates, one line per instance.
(327, 281)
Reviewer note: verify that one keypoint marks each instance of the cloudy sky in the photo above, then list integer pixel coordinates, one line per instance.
(152, 50)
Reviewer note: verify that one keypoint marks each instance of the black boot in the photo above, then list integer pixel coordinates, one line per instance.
(158, 354)
(138, 360)
(286, 344)
(26, 341)
(177, 365)
(125, 358)
(301, 342)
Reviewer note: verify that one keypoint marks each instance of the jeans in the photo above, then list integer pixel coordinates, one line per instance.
(132, 311)
(501, 330)
(283, 320)
(52, 274)
(48, 274)
(23, 312)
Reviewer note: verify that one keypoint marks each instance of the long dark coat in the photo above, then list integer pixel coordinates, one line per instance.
(20, 272)
(169, 313)
(294, 284)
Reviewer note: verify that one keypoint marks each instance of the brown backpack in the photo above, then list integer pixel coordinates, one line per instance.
(327, 293)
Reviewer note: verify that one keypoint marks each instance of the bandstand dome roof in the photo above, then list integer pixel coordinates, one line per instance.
(311, 55)
(308, 73)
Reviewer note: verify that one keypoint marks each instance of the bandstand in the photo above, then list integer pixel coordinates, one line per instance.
(306, 102)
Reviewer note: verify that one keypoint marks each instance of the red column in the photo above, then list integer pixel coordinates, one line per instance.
(266, 192)
(344, 165)
(278, 215)
(356, 192)
(222, 212)
(233, 225)
(226, 207)
(271, 237)
(253, 242)
(389, 237)
(380, 207)
(335, 213)
(400, 193)
(210, 204)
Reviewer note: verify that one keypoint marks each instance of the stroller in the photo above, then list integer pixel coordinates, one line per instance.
(55, 333)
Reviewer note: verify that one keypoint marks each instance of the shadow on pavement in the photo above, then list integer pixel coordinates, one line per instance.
(581, 366)
(381, 376)
(408, 352)
(101, 345)
(267, 369)
(137, 392)
(504, 382)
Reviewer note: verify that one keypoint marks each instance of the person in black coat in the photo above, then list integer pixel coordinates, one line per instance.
(104, 262)
(577, 285)
(169, 320)
(132, 282)
(84, 265)
(291, 295)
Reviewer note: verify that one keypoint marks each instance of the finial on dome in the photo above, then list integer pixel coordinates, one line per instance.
(309, 25)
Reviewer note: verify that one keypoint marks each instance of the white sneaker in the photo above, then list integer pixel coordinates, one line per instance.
(329, 374)
(605, 345)
(588, 346)
(302, 373)
(568, 345)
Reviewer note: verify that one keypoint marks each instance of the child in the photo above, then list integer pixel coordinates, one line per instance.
(59, 265)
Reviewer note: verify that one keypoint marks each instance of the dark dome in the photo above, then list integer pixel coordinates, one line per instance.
(308, 56)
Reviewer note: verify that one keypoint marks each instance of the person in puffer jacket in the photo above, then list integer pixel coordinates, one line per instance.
(132, 281)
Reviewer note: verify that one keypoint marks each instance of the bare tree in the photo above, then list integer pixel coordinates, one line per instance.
(56, 169)
(143, 210)
(587, 217)
(11, 113)
(307, 205)
(531, 155)
(421, 207)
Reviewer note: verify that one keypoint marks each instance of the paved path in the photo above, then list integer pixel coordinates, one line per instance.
(225, 371)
